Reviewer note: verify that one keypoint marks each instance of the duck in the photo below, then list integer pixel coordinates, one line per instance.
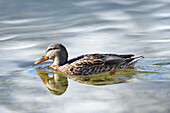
(86, 64)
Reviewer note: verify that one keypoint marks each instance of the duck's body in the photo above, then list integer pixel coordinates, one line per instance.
(95, 63)
(87, 64)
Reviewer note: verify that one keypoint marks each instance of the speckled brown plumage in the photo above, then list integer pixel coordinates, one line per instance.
(96, 63)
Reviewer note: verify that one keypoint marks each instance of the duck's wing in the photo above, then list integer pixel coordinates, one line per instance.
(121, 56)
(95, 63)
(99, 59)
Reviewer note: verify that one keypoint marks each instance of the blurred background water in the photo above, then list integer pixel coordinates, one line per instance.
(141, 27)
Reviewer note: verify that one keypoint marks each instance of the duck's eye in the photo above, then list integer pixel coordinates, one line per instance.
(50, 49)
(55, 48)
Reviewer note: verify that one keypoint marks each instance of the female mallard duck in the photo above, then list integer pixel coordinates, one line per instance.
(86, 64)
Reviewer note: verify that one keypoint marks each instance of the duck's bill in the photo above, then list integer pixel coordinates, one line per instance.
(44, 58)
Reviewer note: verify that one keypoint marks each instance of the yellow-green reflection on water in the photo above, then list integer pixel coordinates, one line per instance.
(58, 83)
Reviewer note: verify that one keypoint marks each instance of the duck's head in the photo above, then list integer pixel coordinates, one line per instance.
(57, 52)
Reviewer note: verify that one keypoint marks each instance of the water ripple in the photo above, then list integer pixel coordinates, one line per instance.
(6, 38)
(20, 21)
(16, 47)
(157, 41)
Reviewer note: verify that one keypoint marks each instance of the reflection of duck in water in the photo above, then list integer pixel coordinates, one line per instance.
(56, 85)
(105, 78)
(86, 64)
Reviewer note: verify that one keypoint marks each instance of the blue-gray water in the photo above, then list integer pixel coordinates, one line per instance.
(141, 27)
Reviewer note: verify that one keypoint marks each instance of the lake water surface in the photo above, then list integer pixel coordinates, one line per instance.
(140, 27)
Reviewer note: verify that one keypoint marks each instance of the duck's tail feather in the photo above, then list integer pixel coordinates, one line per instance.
(134, 60)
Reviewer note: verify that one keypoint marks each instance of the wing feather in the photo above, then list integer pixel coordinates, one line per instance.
(95, 63)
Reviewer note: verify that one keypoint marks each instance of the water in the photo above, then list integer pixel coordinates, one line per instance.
(140, 27)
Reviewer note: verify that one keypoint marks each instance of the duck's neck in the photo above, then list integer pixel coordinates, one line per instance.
(59, 61)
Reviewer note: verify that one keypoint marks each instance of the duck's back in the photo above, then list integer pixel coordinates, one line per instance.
(96, 63)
